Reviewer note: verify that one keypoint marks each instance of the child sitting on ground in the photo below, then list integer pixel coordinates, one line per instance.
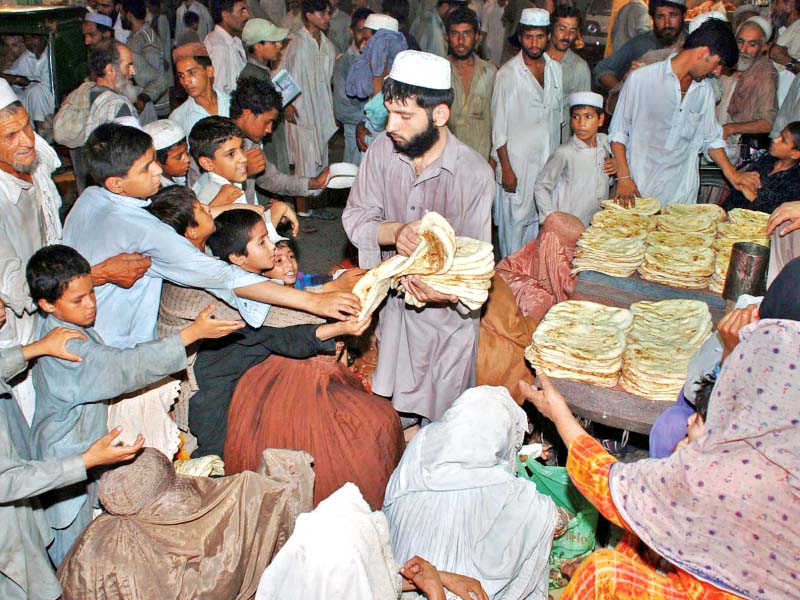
(171, 153)
(216, 146)
(575, 179)
(241, 238)
(72, 397)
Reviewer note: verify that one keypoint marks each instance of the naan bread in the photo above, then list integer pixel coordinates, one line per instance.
(642, 206)
(686, 223)
(712, 210)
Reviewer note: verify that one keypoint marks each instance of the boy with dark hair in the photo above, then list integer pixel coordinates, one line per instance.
(171, 153)
(107, 218)
(225, 44)
(575, 179)
(72, 397)
(191, 22)
(240, 238)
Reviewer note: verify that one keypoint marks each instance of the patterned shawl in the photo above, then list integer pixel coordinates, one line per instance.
(727, 508)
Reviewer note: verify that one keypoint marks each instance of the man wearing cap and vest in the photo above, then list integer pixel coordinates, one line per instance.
(526, 129)
(665, 118)
(426, 357)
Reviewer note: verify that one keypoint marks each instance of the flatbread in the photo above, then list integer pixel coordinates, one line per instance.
(641, 206)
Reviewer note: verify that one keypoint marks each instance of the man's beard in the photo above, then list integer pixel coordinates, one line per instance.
(667, 36)
(745, 62)
(462, 55)
(533, 53)
(420, 143)
(19, 168)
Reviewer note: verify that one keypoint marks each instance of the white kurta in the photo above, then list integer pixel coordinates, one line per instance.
(492, 24)
(37, 98)
(206, 22)
(527, 120)
(28, 220)
(663, 135)
(228, 57)
(573, 181)
(311, 66)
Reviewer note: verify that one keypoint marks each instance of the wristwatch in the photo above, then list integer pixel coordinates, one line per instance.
(793, 67)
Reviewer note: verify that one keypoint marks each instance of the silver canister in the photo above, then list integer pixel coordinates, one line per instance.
(747, 271)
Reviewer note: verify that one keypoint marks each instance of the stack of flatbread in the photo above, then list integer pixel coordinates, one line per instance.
(582, 341)
(664, 337)
(684, 267)
(743, 226)
(623, 223)
(460, 266)
(692, 210)
(604, 251)
(641, 206)
(686, 223)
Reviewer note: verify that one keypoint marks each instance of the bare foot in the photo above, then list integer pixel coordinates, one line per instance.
(410, 432)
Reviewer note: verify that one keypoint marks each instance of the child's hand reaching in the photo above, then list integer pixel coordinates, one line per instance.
(419, 574)
(206, 327)
(104, 452)
(227, 194)
(283, 213)
(54, 344)
(352, 327)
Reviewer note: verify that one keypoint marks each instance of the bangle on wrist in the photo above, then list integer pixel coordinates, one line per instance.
(623, 177)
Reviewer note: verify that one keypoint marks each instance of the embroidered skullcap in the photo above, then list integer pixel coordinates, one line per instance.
(376, 21)
(586, 99)
(762, 23)
(165, 133)
(535, 17)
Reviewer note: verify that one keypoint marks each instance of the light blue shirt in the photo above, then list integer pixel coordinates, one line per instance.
(190, 112)
(664, 133)
(103, 224)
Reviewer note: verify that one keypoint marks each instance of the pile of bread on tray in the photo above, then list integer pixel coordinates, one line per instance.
(646, 349)
(686, 246)
(455, 266)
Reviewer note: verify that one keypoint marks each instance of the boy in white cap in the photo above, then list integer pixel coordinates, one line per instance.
(171, 152)
(575, 179)
(427, 357)
(526, 129)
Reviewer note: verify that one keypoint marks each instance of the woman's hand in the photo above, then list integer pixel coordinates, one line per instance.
(547, 399)
(462, 586)
(732, 323)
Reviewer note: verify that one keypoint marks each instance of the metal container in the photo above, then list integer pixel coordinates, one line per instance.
(747, 271)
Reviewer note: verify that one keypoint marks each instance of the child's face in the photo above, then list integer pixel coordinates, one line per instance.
(205, 222)
(585, 122)
(177, 164)
(285, 267)
(77, 305)
(142, 180)
(696, 427)
(229, 161)
(783, 148)
(260, 251)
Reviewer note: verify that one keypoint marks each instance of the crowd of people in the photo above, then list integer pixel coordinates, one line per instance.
(184, 413)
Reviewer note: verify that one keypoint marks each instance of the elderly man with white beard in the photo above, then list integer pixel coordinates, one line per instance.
(749, 101)
(29, 220)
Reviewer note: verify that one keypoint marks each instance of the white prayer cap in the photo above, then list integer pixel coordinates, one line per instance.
(586, 99)
(376, 21)
(421, 69)
(703, 17)
(129, 121)
(165, 133)
(762, 23)
(535, 17)
(99, 19)
(7, 95)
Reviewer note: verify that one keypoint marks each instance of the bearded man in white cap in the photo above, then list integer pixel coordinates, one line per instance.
(526, 129)
(749, 101)
(29, 220)
(426, 357)
(665, 118)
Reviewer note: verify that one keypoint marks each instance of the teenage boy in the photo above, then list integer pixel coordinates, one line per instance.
(171, 153)
(239, 237)
(71, 397)
(114, 216)
(25, 569)
(575, 179)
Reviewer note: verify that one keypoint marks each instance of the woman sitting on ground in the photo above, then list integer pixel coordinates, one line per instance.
(779, 171)
(722, 510)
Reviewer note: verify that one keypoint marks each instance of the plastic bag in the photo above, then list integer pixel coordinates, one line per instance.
(579, 540)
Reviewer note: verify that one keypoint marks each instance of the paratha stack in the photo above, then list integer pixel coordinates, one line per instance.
(455, 266)
(743, 226)
(664, 337)
(641, 206)
(682, 240)
(697, 222)
(684, 267)
(690, 210)
(581, 340)
(604, 251)
(624, 223)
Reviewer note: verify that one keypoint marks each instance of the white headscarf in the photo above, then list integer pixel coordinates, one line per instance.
(340, 550)
(454, 498)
